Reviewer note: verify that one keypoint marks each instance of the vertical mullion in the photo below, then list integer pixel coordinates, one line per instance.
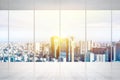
(34, 27)
(85, 31)
(59, 35)
(111, 39)
(85, 39)
(34, 38)
(8, 37)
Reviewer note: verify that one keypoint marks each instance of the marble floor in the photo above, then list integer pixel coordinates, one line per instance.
(60, 71)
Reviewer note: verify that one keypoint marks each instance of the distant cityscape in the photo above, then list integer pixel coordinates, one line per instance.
(60, 50)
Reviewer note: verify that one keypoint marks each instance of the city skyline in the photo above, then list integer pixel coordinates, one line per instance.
(60, 50)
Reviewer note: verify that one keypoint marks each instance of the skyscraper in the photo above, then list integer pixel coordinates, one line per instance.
(67, 50)
(114, 52)
(72, 46)
(117, 46)
(55, 47)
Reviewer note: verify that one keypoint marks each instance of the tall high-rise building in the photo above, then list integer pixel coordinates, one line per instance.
(114, 52)
(117, 50)
(67, 50)
(37, 47)
(108, 54)
(92, 57)
(55, 47)
(72, 46)
(82, 47)
(89, 45)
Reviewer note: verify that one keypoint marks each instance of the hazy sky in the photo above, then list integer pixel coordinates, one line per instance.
(98, 24)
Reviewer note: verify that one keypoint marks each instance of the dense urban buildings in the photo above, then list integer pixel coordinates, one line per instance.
(60, 50)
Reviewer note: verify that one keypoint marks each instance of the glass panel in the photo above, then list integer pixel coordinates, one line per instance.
(73, 35)
(116, 35)
(46, 30)
(4, 36)
(21, 36)
(98, 36)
